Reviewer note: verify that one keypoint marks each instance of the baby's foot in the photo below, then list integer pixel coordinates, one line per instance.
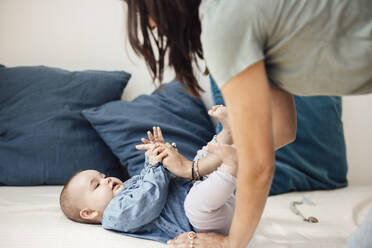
(227, 154)
(220, 112)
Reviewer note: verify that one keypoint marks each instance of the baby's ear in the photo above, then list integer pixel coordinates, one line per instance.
(89, 214)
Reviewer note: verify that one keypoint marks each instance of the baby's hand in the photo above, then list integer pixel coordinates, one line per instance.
(171, 158)
(156, 154)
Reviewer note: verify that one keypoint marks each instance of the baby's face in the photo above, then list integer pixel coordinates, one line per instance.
(92, 189)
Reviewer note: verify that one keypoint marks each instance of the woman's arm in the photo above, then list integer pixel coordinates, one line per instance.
(206, 166)
(251, 111)
(176, 162)
(262, 119)
(257, 114)
(181, 166)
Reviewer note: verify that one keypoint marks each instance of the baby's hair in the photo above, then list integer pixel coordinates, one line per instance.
(70, 210)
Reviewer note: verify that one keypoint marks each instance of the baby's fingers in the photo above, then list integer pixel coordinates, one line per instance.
(145, 141)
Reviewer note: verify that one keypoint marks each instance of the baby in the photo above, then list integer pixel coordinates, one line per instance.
(156, 205)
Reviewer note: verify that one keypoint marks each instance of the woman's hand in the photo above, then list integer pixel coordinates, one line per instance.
(157, 137)
(202, 240)
(172, 160)
(175, 162)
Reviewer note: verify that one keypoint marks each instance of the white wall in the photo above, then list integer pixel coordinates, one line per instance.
(90, 34)
(71, 34)
(357, 116)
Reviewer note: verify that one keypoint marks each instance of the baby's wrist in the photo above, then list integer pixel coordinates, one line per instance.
(149, 162)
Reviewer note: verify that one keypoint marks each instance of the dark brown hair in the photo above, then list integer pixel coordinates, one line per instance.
(177, 33)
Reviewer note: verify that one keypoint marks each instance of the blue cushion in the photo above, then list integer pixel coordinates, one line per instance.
(44, 139)
(217, 99)
(183, 120)
(317, 158)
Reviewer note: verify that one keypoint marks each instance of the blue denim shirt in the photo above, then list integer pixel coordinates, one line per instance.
(150, 206)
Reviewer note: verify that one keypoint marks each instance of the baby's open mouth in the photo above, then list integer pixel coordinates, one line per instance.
(115, 186)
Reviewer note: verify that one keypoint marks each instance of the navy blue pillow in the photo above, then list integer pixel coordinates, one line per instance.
(217, 99)
(183, 120)
(317, 158)
(44, 139)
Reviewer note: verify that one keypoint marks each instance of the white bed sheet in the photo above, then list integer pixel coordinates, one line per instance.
(339, 212)
(30, 217)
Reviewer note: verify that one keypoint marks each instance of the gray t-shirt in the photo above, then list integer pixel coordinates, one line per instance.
(310, 47)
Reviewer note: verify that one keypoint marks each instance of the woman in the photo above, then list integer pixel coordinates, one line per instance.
(259, 52)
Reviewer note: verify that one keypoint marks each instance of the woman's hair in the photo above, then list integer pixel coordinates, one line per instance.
(178, 33)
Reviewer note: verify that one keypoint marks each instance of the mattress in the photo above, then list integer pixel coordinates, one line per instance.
(30, 217)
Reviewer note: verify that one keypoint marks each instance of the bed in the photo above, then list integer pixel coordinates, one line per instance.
(64, 34)
(30, 217)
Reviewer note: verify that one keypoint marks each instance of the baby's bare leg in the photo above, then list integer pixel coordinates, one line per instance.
(227, 154)
(220, 112)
